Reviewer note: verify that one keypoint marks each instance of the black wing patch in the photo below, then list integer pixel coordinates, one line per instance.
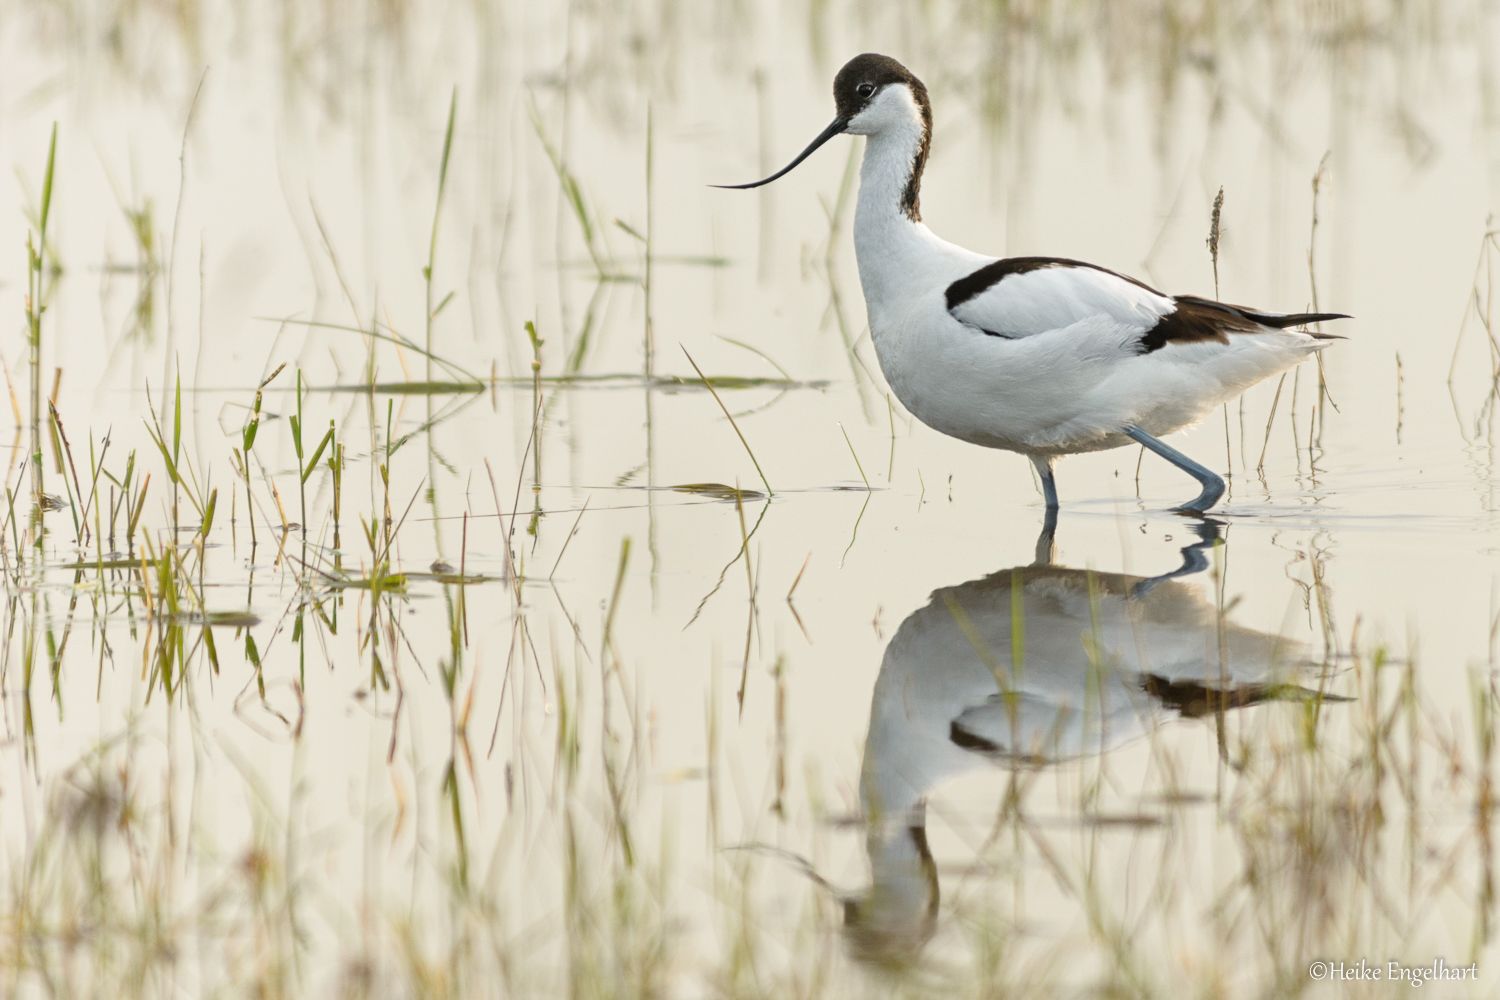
(1197, 321)
(970, 285)
(1278, 320)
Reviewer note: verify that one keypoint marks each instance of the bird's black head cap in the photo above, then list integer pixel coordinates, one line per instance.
(855, 87)
(863, 77)
(857, 84)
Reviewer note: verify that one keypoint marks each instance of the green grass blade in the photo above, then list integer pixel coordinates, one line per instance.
(47, 185)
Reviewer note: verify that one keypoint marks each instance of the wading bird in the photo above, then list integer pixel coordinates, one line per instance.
(1043, 356)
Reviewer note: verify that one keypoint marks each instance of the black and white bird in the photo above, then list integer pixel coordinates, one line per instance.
(1044, 356)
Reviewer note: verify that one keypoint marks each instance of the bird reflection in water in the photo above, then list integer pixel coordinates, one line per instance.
(1098, 660)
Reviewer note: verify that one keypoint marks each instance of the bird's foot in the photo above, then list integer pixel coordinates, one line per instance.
(1212, 493)
(1212, 482)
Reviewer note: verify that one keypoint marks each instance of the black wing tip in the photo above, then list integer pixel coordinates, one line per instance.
(1298, 319)
(1279, 321)
(1318, 317)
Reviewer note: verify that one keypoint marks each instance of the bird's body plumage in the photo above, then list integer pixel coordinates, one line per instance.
(1041, 356)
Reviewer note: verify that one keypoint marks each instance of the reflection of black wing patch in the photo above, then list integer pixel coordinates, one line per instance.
(1194, 700)
(965, 740)
(991, 727)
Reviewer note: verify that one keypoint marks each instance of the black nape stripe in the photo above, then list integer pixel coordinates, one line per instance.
(970, 285)
(874, 72)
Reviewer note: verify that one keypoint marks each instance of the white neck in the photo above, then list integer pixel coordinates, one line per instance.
(898, 255)
(890, 158)
(884, 235)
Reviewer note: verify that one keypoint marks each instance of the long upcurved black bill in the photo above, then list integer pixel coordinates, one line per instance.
(838, 126)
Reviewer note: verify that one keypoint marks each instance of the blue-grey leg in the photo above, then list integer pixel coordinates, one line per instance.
(1213, 485)
(1049, 485)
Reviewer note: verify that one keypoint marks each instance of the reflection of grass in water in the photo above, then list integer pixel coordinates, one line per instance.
(1324, 817)
(1477, 425)
(140, 220)
(572, 191)
(1322, 822)
(1335, 815)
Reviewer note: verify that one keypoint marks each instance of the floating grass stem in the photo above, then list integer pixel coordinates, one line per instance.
(758, 353)
(465, 381)
(563, 551)
(706, 382)
(852, 452)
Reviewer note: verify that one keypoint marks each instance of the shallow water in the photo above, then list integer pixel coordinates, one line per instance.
(586, 733)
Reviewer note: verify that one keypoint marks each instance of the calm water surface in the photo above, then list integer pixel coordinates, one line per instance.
(518, 715)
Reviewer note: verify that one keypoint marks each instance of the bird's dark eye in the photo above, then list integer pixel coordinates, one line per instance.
(865, 89)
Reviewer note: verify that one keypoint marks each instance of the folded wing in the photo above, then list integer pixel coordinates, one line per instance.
(1027, 296)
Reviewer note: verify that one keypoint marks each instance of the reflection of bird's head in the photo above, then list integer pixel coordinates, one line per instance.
(888, 925)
